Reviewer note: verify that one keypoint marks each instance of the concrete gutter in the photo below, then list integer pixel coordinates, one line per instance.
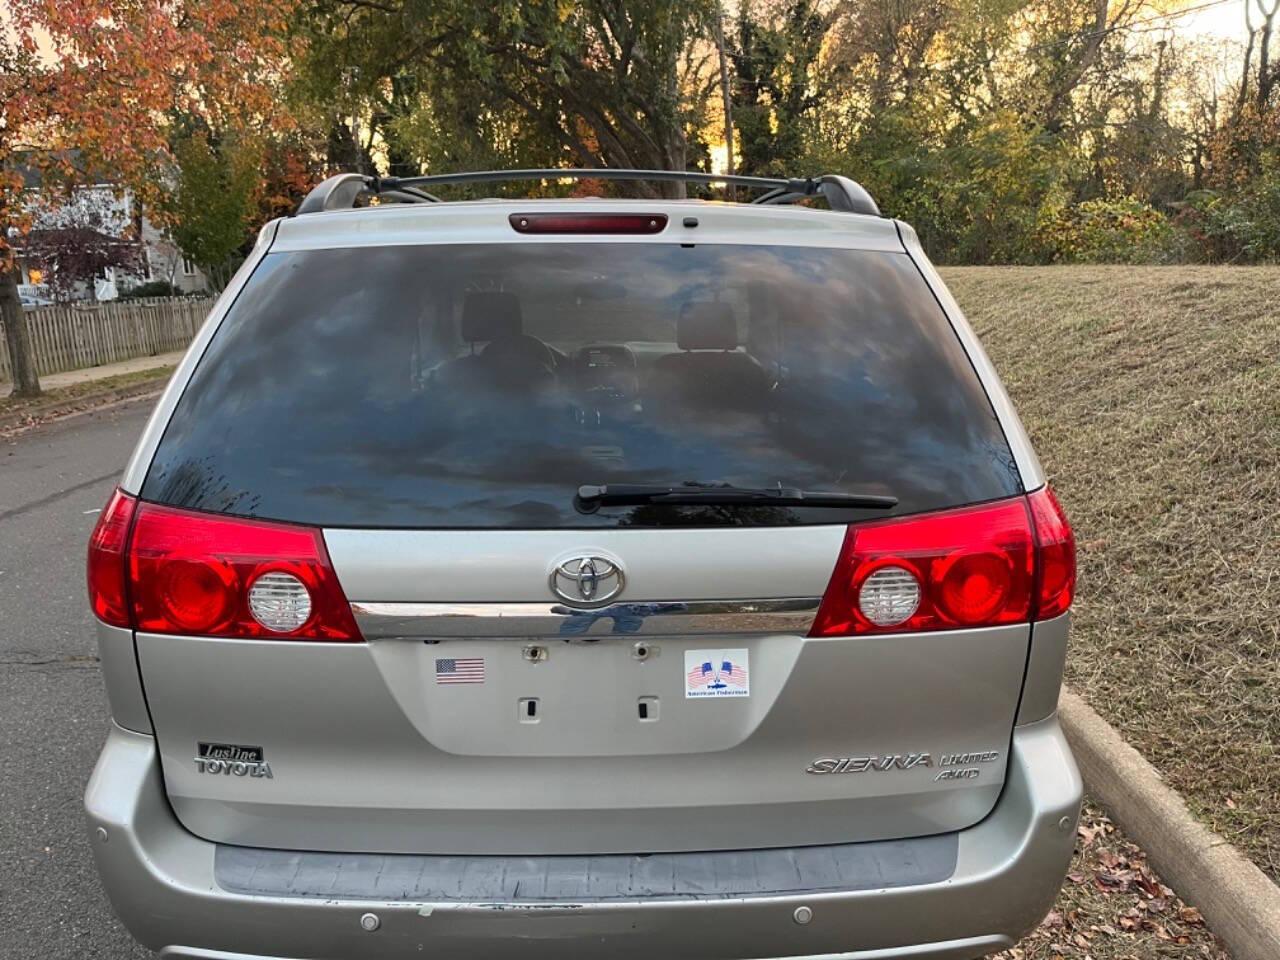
(1239, 903)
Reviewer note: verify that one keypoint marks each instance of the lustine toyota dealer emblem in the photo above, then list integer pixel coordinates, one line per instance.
(587, 581)
(232, 759)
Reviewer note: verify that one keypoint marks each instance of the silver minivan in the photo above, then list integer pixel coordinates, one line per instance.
(583, 577)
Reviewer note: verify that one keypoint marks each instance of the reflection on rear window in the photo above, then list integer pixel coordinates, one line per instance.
(481, 385)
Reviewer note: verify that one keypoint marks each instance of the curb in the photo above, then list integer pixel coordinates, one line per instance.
(1238, 901)
(20, 422)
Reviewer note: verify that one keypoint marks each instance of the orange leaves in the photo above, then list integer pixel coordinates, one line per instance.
(100, 81)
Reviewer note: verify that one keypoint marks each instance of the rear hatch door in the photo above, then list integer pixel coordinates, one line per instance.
(540, 674)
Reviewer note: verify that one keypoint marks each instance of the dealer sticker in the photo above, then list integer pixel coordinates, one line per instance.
(716, 673)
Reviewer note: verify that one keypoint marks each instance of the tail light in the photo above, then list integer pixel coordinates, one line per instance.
(208, 575)
(1005, 562)
(108, 596)
(1055, 555)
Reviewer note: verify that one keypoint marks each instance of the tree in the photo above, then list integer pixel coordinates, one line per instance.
(82, 250)
(593, 82)
(102, 105)
(777, 83)
(17, 100)
(1260, 18)
(211, 202)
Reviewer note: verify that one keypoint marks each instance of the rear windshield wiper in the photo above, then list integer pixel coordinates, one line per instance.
(591, 497)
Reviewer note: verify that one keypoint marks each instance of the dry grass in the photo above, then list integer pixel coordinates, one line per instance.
(1152, 395)
(21, 413)
(71, 392)
(1113, 907)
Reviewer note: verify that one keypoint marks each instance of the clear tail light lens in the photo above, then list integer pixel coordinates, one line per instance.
(1012, 561)
(108, 596)
(280, 601)
(889, 596)
(209, 575)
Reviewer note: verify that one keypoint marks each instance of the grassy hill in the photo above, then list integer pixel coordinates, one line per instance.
(1152, 395)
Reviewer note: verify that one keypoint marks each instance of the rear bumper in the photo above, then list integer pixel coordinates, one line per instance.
(161, 880)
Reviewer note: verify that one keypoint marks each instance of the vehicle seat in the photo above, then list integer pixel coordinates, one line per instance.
(709, 370)
(511, 359)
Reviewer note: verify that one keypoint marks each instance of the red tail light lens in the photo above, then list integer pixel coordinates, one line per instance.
(971, 567)
(194, 572)
(106, 567)
(1055, 555)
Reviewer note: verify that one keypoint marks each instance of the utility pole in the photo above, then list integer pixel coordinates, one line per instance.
(725, 93)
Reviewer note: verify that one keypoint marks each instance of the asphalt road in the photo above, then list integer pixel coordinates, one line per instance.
(53, 712)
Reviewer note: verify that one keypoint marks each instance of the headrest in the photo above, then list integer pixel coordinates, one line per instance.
(707, 325)
(490, 314)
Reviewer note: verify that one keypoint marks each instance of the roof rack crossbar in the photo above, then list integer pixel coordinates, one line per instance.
(579, 173)
(419, 195)
(341, 191)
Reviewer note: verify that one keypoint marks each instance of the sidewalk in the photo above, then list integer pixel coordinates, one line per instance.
(69, 378)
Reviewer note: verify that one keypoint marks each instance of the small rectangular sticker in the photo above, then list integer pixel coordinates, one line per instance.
(460, 670)
(716, 673)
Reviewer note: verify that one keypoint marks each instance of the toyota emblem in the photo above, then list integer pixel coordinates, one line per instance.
(587, 581)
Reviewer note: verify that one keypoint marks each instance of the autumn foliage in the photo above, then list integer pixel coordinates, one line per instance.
(89, 88)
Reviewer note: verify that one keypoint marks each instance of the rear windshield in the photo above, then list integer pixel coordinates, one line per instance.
(481, 385)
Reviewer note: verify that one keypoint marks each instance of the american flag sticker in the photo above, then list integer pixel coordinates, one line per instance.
(716, 673)
(460, 670)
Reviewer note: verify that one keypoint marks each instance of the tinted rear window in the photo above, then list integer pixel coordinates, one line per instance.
(481, 385)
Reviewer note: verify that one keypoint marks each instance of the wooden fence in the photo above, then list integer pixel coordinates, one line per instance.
(86, 335)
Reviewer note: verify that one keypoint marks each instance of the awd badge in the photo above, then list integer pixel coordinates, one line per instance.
(232, 759)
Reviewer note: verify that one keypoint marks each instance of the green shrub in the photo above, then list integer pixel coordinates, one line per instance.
(152, 288)
(1236, 226)
(1124, 230)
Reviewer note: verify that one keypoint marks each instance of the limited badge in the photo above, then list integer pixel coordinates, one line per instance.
(716, 673)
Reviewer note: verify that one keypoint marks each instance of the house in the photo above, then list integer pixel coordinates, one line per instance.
(101, 210)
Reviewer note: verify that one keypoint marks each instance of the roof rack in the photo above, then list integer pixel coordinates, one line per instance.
(343, 190)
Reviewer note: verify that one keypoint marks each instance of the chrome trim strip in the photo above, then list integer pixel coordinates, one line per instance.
(656, 618)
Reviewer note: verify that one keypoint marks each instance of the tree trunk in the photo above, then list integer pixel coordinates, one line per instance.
(1266, 73)
(1242, 96)
(23, 364)
(725, 95)
(675, 148)
(1052, 119)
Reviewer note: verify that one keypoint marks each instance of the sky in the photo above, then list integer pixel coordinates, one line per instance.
(1222, 20)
